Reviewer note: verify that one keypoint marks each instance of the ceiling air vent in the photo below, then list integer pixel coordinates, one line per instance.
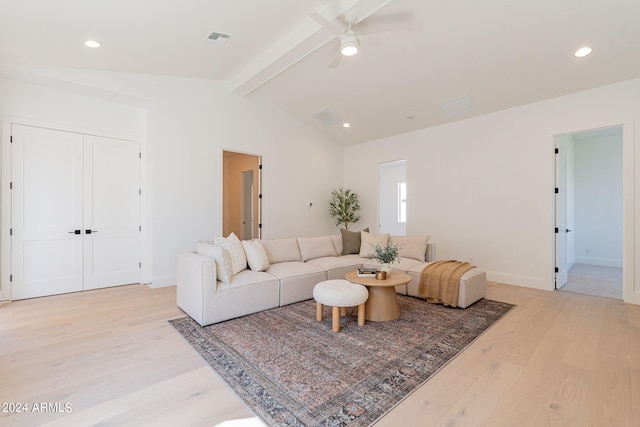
(218, 37)
(326, 117)
(457, 106)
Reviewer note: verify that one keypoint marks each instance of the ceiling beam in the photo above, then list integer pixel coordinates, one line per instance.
(302, 41)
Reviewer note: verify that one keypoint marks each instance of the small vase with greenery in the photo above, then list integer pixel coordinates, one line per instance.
(386, 255)
(344, 206)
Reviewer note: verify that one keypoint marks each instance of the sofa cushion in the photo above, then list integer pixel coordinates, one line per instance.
(256, 255)
(233, 245)
(281, 250)
(221, 257)
(351, 241)
(369, 241)
(316, 247)
(286, 269)
(414, 247)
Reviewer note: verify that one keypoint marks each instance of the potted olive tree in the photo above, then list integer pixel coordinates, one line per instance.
(344, 206)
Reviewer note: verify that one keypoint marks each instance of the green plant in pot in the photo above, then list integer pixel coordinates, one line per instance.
(386, 255)
(344, 206)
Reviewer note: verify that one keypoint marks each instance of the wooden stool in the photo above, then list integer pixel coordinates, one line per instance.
(339, 294)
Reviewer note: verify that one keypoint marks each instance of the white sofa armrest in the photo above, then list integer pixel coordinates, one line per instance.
(196, 284)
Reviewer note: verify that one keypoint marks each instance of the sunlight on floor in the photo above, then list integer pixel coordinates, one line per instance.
(242, 422)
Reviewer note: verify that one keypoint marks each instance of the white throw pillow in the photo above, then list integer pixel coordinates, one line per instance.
(256, 255)
(369, 241)
(315, 247)
(236, 252)
(221, 257)
(414, 247)
(281, 250)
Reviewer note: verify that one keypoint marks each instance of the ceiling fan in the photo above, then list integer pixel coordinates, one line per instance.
(349, 40)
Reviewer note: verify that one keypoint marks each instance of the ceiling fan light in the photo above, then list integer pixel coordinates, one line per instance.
(349, 46)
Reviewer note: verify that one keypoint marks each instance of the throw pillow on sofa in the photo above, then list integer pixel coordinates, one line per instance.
(256, 255)
(414, 247)
(236, 252)
(221, 257)
(351, 241)
(369, 241)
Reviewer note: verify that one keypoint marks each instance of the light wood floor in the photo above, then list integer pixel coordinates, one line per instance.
(558, 359)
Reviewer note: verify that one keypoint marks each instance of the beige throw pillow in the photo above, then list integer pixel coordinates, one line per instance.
(369, 242)
(414, 247)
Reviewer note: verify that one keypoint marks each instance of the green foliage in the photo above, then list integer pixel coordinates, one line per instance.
(344, 206)
(385, 254)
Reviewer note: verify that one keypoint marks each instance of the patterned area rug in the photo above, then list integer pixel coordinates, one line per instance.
(293, 371)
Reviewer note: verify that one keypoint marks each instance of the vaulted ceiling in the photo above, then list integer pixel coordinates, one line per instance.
(483, 56)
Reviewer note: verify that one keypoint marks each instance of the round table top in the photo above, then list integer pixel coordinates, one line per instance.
(394, 278)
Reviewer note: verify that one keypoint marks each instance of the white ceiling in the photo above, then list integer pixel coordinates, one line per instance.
(499, 53)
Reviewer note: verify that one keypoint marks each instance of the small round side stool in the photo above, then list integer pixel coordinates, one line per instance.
(339, 294)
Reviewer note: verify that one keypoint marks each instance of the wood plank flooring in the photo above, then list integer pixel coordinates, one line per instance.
(558, 359)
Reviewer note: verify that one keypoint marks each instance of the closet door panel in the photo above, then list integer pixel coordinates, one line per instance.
(111, 212)
(46, 210)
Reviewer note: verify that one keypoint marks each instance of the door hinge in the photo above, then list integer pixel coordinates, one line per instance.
(259, 225)
(11, 185)
(11, 139)
(557, 191)
(557, 151)
(139, 192)
(139, 265)
(11, 277)
(11, 232)
(140, 228)
(139, 155)
(260, 196)
(557, 270)
(260, 167)
(557, 230)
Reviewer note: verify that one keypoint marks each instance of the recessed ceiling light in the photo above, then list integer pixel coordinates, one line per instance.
(346, 125)
(92, 43)
(583, 51)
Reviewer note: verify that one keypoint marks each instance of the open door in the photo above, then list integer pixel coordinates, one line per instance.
(561, 230)
(241, 195)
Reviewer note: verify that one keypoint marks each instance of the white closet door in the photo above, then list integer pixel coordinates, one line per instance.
(111, 212)
(46, 212)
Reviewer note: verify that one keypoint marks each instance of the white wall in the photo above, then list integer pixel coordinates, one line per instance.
(483, 187)
(188, 123)
(598, 201)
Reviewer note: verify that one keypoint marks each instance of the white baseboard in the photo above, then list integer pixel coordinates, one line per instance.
(603, 262)
(163, 281)
(520, 280)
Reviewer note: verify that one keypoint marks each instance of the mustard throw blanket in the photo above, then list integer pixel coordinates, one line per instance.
(440, 281)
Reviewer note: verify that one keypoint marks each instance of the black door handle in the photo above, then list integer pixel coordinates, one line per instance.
(567, 231)
(90, 231)
(75, 232)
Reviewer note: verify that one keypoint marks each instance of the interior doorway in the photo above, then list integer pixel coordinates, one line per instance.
(392, 199)
(241, 195)
(589, 212)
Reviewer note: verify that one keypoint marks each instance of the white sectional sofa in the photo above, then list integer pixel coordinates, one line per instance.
(227, 278)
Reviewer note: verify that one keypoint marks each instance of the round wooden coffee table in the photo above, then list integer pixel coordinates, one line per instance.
(382, 304)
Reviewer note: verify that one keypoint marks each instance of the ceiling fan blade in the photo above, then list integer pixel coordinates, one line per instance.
(326, 24)
(336, 60)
